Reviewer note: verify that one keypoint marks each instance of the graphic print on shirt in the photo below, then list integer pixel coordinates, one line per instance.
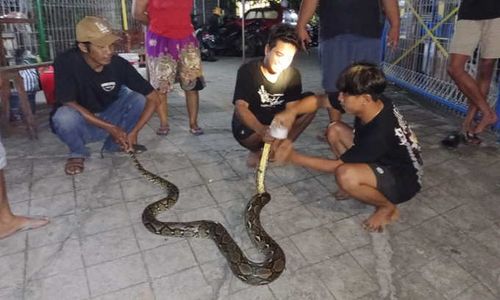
(269, 100)
(408, 139)
(108, 86)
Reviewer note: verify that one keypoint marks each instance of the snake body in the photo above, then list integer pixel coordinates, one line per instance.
(254, 273)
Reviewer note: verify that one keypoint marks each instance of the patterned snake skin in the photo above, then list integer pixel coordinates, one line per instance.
(255, 273)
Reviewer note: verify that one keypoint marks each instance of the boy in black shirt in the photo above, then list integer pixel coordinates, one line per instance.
(100, 95)
(264, 88)
(378, 162)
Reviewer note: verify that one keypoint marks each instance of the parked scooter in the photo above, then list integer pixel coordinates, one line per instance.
(207, 44)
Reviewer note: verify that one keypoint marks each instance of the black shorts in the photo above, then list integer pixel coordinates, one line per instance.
(242, 132)
(398, 185)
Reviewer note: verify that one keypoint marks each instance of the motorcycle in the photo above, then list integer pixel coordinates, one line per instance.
(207, 44)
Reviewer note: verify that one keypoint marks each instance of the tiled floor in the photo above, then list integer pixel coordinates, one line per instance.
(446, 245)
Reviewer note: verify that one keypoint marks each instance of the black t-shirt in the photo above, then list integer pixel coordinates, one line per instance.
(76, 81)
(387, 140)
(265, 99)
(359, 17)
(479, 9)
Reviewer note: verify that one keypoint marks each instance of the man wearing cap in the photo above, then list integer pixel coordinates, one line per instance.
(99, 95)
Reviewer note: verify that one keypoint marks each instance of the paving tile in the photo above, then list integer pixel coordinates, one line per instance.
(302, 284)
(57, 205)
(185, 285)
(292, 221)
(253, 293)
(414, 286)
(349, 233)
(169, 259)
(136, 189)
(185, 178)
(216, 171)
(11, 270)
(99, 196)
(108, 245)
(18, 192)
(14, 293)
(49, 186)
(221, 279)
(475, 292)
(295, 260)
(344, 278)
(14, 244)
(317, 245)
(138, 292)
(71, 285)
(193, 198)
(469, 218)
(116, 275)
(53, 260)
(328, 209)
(228, 190)
(308, 190)
(103, 219)
(447, 277)
(58, 230)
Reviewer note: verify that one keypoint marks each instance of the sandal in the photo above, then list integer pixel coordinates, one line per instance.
(162, 131)
(74, 165)
(452, 140)
(470, 138)
(196, 131)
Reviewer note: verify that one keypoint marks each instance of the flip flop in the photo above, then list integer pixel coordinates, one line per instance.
(163, 130)
(196, 131)
(74, 166)
(470, 138)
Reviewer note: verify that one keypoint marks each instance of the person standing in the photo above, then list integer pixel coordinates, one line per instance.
(350, 31)
(10, 223)
(478, 24)
(172, 54)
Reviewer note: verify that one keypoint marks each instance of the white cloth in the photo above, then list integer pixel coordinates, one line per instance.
(3, 156)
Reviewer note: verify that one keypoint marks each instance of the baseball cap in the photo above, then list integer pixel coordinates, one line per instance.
(96, 31)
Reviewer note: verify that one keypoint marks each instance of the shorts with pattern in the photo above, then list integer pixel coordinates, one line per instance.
(469, 34)
(174, 60)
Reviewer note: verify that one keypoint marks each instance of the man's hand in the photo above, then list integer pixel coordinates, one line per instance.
(265, 134)
(131, 141)
(120, 137)
(304, 37)
(285, 118)
(393, 37)
(283, 150)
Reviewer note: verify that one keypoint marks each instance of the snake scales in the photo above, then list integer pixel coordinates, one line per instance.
(255, 273)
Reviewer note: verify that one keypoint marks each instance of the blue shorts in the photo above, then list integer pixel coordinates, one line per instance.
(337, 53)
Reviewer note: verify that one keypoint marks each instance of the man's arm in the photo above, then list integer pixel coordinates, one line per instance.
(118, 134)
(286, 153)
(307, 9)
(248, 118)
(152, 101)
(139, 11)
(391, 9)
(306, 105)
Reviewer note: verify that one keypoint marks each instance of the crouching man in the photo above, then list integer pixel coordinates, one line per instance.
(378, 161)
(99, 94)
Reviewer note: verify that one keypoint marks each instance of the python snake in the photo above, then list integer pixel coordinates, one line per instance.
(254, 273)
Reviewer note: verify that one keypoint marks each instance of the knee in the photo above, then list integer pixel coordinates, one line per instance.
(67, 119)
(346, 178)
(454, 70)
(136, 102)
(333, 133)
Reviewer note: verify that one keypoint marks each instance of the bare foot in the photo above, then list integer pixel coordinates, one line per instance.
(485, 122)
(381, 217)
(253, 159)
(341, 195)
(20, 223)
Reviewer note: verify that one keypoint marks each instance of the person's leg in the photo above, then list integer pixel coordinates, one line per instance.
(72, 129)
(359, 182)
(162, 111)
(249, 139)
(192, 104)
(300, 125)
(124, 112)
(340, 137)
(10, 223)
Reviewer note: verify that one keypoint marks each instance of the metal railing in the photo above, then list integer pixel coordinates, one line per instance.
(420, 61)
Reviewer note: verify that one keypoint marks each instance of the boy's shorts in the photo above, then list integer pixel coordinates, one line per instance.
(173, 60)
(395, 184)
(472, 33)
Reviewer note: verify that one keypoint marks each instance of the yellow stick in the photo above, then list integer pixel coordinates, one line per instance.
(124, 15)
